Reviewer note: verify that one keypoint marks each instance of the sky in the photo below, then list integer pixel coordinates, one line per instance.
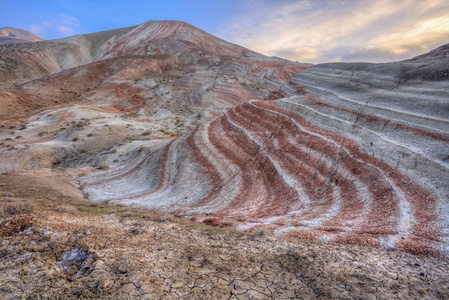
(313, 31)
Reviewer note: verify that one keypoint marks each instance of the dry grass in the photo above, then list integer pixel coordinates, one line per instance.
(17, 223)
(17, 208)
(42, 200)
(66, 209)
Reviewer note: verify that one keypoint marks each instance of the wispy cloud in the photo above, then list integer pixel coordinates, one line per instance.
(65, 30)
(62, 24)
(68, 20)
(68, 25)
(343, 30)
(37, 29)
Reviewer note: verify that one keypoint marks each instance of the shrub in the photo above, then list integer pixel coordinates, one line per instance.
(16, 224)
(66, 209)
(17, 208)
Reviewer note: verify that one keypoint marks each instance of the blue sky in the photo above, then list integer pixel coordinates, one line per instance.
(304, 30)
(46, 17)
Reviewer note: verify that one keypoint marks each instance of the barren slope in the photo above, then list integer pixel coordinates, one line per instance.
(11, 35)
(22, 62)
(137, 90)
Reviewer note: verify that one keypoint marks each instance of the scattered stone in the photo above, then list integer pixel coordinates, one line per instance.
(76, 262)
(123, 267)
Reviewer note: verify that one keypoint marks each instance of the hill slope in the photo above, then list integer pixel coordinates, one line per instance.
(188, 43)
(10, 35)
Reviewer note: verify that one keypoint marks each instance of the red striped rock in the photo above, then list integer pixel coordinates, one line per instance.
(322, 163)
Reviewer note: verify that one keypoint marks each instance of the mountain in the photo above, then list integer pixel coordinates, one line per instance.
(11, 35)
(166, 117)
(189, 44)
(136, 68)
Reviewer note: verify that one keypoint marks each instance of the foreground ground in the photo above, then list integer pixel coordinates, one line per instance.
(57, 245)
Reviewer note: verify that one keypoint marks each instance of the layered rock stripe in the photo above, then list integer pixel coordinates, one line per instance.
(340, 158)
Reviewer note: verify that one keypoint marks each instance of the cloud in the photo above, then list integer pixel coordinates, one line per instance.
(68, 25)
(37, 29)
(65, 30)
(58, 25)
(349, 30)
(293, 53)
(68, 20)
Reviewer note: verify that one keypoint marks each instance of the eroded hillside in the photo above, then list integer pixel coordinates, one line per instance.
(352, 153)
(164, 116)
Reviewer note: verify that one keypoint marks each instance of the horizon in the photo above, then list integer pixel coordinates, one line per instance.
(379, 31)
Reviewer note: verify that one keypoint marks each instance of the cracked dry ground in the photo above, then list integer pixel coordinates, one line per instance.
(78, 249)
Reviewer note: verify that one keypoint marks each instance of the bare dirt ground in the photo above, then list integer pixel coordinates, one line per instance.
(55, 244)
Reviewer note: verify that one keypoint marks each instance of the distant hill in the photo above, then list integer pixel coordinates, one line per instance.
(11, 35)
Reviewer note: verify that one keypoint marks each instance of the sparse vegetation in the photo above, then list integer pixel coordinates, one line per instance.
(166, 132)
(132, 114)
(16, 224)
(66, 209)
(17, 208)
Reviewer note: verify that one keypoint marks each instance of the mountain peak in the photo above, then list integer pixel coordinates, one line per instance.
(11, 35)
